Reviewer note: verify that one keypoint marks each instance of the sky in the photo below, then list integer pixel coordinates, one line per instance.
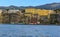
(26, 2)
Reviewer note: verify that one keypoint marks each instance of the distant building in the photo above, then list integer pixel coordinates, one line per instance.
(31, 10)
(11, 16)
(28, 16)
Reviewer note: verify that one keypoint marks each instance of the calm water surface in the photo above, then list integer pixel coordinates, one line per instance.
(29, 31)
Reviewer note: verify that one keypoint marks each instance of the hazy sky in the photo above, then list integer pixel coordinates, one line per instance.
(26, 2)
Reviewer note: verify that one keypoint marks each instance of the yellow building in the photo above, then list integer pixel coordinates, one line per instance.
(30, 10)
(1, 17)
(41, 12)
(44, 12)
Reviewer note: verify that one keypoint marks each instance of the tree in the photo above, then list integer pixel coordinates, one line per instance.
(8, 15)
(56, 15)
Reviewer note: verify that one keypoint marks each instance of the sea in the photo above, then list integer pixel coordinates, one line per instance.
(11, 30)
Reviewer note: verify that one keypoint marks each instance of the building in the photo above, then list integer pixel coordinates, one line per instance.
(10, 16)
(30, 10)
(26, 16)
(42, 14)
(32, 14)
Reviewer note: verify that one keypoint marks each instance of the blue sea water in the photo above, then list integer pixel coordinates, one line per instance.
(9, 30)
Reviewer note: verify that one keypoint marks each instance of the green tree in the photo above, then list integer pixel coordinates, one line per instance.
(56, 16)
